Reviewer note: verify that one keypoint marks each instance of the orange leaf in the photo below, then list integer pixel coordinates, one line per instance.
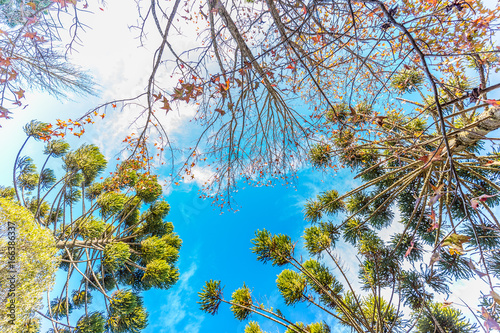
(19, 93)
(492, 102)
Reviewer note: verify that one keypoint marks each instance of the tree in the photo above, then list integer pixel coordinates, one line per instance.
(257, 61)
(32, 55)
(24, 276)
(111, 234)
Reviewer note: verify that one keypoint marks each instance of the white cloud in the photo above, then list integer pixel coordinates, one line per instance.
(176, 311)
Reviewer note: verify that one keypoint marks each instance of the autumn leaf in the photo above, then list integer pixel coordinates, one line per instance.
(316, 39)
(32, 5)
(447, 303)
(432, 215)
(30, 35)
(433, 227)
(455, 243)
(474, 203)
(19, 93)
(495, 296)
(491, 163)
(5, 62)
(32, 20)
(177, 94)
(224, 87)
(433, 156)
(166, 105)
(222, 112)
(157, 97)
(79, 134)
(485, 197)
(437, 194)
(4, 113)
(492, 102)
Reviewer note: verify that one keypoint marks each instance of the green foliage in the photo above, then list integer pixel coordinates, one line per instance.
(253, 327)
(210, 297)
(80, 298)
(325, 203)
(164, 248)
(449, 320)
(37, 129)
(312, 328)
(147, 188)
(275, 248)
(320, 280)
(241, 303)
(88, 160)
(111, 203)
(93, 323)
(7, 192)
(56, 148)
(319, 238)
(115, 255)
(320, 155)
(354, 230)
(100, 234)
(159, 274)
(407, 80)
(60, 308)
(31, 326)
(35, 274)
(91, 227)
(291, 286)
(126, 313)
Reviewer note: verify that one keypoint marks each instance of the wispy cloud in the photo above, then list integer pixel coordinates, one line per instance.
(176, 314)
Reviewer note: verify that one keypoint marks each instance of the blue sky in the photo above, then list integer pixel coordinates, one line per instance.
(215, 246)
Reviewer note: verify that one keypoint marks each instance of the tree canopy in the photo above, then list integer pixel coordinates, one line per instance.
(110, 233)
(399, 92)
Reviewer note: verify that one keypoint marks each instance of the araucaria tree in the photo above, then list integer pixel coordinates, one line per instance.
(111, 235)
(402, 94)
